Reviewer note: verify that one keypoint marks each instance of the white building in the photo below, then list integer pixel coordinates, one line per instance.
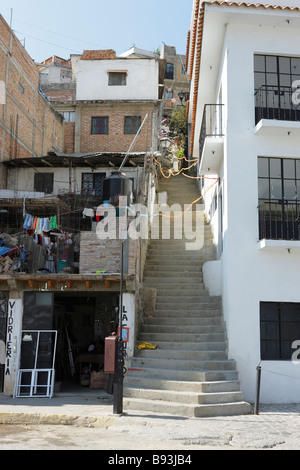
(244, 64)
(135, 79)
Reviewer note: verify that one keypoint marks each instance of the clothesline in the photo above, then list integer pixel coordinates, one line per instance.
(39, 225)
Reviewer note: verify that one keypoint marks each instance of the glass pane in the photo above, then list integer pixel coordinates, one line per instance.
(298, 169)
(259, 80)
(87, 182)
(269, 311)
(298, 190)
(169, 74)
(288, 168)
(285, 80)
(259, 63)
(263, 188)
(44, 298)
(271, 64)
(137, 124)
(117, 78)
(290, 189)
(104, 125)
(275, 189)
(128, 125)
(95, 125)
(295, 65)
(291, 312)
(275, 168)
(263, 167)
(284, 65)
(272, 79)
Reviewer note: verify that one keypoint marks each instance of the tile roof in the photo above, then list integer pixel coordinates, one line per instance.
(251, 4)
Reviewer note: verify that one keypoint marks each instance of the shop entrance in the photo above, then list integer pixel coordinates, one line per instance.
(83, 320)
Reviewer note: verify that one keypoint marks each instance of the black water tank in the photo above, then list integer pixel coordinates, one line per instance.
(117, 184)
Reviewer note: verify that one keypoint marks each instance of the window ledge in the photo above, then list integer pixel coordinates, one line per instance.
(271, 245)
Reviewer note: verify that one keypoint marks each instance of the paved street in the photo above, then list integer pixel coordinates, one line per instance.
(78, 423)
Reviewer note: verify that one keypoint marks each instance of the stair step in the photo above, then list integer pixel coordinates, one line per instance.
(180, 364)
(158, 322)
(187, 410)
(184, 375)
(135, 381)
(186, 306)
(181, 337)
(183, 329)
(183, 397)
(191, 345)
(212, 313)
(183, 354)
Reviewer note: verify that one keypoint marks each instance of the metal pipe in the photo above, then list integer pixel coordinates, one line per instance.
(118, 379)
(258, 378)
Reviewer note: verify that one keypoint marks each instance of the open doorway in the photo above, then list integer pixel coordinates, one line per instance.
(83, 321)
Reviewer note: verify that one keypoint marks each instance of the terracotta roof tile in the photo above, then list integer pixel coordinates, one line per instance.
(251, 4)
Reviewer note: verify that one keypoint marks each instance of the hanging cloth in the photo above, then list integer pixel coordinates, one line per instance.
(46, 224)
(38, 228)
(53, 223)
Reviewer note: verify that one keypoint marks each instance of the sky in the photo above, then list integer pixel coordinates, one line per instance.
(65, 27)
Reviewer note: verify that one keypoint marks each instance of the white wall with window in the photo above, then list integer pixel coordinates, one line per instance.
(56, 180)
(260, 279)
(124, 79)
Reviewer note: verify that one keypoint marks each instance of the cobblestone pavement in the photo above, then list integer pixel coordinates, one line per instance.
(74, 423)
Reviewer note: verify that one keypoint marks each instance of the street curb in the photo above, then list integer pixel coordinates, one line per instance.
(53, 419)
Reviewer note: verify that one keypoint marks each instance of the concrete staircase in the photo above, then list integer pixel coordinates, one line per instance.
(189, 373)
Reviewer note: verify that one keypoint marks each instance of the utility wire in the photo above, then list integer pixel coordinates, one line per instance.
(58, 34)
(46, 42)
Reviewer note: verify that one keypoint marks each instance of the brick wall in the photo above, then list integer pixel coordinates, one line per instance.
(69, 137)
(59, 95)
(98, 54)
(115, 140)
(97, 255)
(28, 124)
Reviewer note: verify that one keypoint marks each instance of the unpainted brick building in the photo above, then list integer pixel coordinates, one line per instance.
(29, 126)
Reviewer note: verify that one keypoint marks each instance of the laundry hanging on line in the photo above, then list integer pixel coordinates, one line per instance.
(39, 228)
(39, 224)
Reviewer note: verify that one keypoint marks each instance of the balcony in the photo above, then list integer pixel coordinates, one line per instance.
(279, 224)
(61, 254)
(277, 111)
(211, 139)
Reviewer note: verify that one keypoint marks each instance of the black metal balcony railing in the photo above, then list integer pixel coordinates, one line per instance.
(273, 102)
(279, 220)
(212, 124)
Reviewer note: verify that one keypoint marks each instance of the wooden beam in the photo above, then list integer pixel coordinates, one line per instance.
(46, 163)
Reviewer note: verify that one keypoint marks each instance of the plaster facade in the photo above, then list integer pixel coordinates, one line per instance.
(247, 271)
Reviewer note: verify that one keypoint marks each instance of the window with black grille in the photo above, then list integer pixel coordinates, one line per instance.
(92, 183)
(279, 328)
(43, 182)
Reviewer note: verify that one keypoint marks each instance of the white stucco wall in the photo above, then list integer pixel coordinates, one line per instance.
(23, 178)
(141, 83)
(249, 275)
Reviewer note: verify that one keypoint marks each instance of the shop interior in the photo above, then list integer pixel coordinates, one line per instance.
(83, 321)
